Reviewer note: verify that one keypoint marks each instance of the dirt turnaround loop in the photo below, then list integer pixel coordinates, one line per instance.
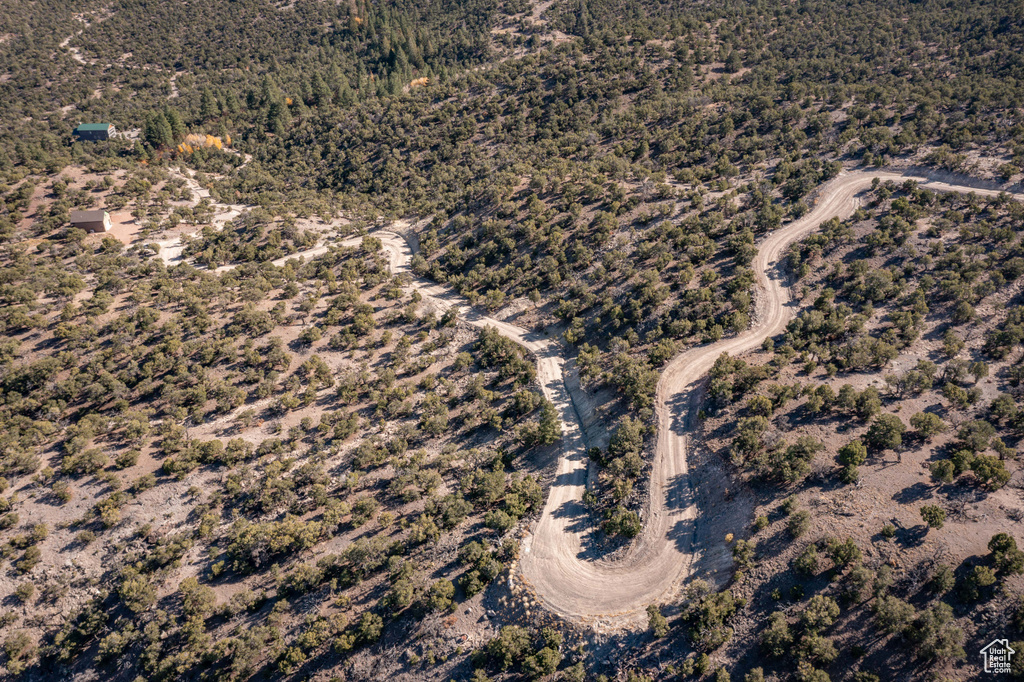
(555, 566)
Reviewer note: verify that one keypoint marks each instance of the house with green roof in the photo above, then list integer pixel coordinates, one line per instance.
(94, 131)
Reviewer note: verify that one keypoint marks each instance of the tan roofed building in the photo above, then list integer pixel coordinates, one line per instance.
(91, 221)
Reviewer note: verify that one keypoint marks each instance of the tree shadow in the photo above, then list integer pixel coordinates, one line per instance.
(682, 533)
(915, 493)
(594, 544)
(913, 536)
(694, 497)
(679, 494)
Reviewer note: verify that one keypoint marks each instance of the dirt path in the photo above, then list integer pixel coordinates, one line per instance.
(538, 9)
(555, 566)
(76, 54)
(172, 250)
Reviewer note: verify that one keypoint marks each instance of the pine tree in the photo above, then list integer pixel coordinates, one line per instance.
(344, 95)
(231, 103)
(550, 429)
(278, 117)
(269, 92)
(209, 107)
(176, 124)
(157, 131)
(321, 93)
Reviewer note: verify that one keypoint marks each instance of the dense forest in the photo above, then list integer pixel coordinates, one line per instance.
(239, 463)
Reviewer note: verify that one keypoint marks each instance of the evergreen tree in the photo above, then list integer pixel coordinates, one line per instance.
(321, 93)
(209, 107)
(176, 124)
(550, 428)
(157, 131)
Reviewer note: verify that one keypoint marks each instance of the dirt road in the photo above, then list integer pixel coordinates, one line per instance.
(172, 251)
(556, 566)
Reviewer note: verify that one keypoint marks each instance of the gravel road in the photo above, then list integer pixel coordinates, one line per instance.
(556, 567)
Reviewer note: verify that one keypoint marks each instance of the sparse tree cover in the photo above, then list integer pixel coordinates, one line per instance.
(708, 614)
(513, 645)
(287, 506)
(851, 456)
(817, 378)
(1008, 559)
(886, 432)
(274, 470)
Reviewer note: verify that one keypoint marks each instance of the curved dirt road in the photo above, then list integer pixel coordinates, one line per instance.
(172, 251)
(555, 565)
